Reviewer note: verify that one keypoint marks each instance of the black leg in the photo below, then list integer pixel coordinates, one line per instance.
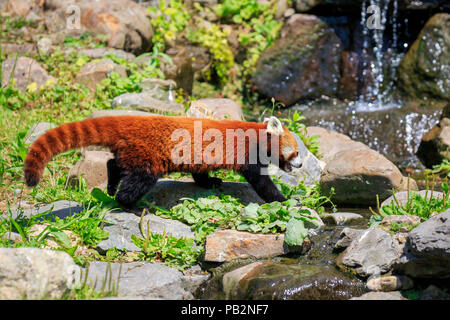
(205, 181)
(262, 184)
(132, 188)
(113, 176)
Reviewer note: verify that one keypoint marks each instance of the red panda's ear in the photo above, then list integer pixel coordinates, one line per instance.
(274, 126)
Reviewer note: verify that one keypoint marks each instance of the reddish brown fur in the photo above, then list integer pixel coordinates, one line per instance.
(137, 142)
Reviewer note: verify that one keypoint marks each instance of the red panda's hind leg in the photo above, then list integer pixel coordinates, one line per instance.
(114, 176)
(133, 187)
(205, 181)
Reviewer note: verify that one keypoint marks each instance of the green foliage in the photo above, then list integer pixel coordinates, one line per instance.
(167, 21)
(215, 39)
(177, 253)
(442, 169)
(416, 205)
(309, 196)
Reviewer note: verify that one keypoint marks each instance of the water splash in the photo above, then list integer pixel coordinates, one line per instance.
(377, 96)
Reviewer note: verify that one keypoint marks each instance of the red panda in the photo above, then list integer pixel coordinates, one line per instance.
(147, 147)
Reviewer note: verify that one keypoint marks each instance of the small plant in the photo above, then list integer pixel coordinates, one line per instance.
(417, 205)
(177, 253)
(442, 169)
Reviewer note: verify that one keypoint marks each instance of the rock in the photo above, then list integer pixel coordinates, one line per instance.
(180, 70)
(11, 236)
(393, 295)
(218, 109)
(226, 245)
(373, 252)
(159, 89)
(357, 173)
(167, 193)
(44, 46)
(425, 69)
(390, 283)
(427, 251)
(33, 273)
(341, 218)
(92, 167)
(11, 49)
(146, 280)
(60, 209)
(128, 29)
(269, 280)
(26, 72)
(402, 197)
(400, 219)
(124, 225)
(308, 173)
(434, 293)
(434, 146)
(117, 113)
(22, 7)
(347, 236)
(37, 130)
(144, 101)
(201, 60)
(100, 53)
(94, 72)
(302, 64)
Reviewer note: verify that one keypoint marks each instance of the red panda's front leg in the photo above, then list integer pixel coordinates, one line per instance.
(262, 184)
(205, 181)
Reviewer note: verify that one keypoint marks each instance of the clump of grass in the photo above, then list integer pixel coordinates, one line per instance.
(416, 205)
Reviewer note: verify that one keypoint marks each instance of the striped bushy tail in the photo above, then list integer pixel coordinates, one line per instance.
(63, 138)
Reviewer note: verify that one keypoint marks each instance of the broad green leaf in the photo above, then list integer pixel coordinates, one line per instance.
(295, 232)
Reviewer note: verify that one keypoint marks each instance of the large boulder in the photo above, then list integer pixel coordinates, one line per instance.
(427, 251)
(124, 22)
(26, 72)
(425, 69)
(32, 273)
(435, 144)
(302, 64)
(357, 173)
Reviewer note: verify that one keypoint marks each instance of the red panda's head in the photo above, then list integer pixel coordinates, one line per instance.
(288, 148)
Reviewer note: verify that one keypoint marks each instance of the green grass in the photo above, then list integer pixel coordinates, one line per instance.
(416, 205)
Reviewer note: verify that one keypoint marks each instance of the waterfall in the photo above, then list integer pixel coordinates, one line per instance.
(373, 46)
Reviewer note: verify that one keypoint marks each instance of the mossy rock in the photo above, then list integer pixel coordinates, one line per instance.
(302, 64)
(425, 69)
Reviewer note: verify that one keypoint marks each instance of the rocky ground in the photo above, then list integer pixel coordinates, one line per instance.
(89, 249)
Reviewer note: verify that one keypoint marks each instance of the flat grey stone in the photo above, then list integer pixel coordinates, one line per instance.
(60, 209)
(125, 224)
(375, 295)
(341, 218)
(144, 280)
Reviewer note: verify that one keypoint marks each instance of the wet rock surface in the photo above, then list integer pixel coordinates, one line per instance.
(425, 69)
(269, 280)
